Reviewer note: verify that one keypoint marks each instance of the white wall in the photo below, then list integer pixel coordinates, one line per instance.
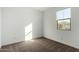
(0, 25)
(14, 21)
(67, 37)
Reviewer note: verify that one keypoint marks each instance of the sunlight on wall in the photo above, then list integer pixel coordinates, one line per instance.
(28, 32)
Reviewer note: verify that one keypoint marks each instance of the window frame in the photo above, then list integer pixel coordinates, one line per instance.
(62, 20)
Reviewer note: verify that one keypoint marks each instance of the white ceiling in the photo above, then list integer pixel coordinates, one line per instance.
(41, 8)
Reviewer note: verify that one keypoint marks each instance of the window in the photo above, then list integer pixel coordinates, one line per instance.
(63, 19)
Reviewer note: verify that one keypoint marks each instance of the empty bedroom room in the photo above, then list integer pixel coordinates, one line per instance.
(39, 29)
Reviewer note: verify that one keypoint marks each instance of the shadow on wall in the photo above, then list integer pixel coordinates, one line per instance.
(28, 32)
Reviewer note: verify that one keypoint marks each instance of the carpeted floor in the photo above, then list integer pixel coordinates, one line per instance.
(38, 45)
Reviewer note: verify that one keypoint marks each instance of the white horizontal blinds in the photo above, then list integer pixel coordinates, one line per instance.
(63, 14)
(67, 13)
(59, 15)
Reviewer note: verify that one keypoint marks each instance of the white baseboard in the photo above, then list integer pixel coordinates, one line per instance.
(11, 43)
(62, 42)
